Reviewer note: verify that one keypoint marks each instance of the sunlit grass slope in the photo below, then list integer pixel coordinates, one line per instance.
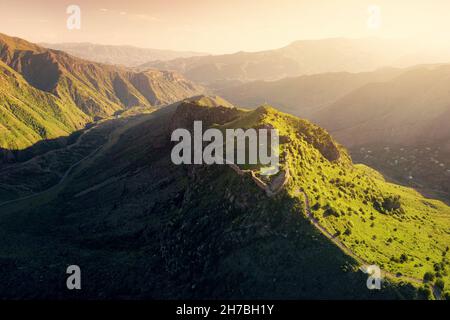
(385, 224)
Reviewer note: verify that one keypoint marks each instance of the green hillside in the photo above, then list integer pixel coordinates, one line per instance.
(28, 115)
(141, 227)
(382, 223)
(46, 94)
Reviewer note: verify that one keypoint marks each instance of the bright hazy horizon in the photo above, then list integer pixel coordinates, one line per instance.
(215, 26)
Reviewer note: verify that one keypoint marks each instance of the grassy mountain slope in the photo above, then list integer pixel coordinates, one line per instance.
(142, 227)
(47, 93)
(28, 115)
(384, 224)
(423, 167)
(118, 55)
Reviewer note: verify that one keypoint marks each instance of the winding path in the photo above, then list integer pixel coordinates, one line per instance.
(66, 173)
(113, 137)
(363, 264)
(60, 182)
(348, 251)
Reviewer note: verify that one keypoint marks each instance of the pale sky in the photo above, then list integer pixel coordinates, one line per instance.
(223, 26)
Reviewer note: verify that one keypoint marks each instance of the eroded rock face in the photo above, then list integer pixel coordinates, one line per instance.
(324, 144)
(163, 87)
(122, 92)
(330, 151)
(41, 70)
(188, 112)
(279, 181)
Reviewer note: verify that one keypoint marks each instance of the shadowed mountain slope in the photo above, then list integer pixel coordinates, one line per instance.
(141, 227)
(303, 96)
(410, 109)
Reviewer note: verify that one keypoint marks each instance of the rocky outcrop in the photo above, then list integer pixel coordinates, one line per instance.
(272, 189)
(329, 150)
(324, 143)
(188, 112)
(279, 182)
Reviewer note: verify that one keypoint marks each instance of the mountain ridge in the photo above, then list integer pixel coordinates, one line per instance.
(298, 58)
(414, 100)
(78, 91)
(126, 55)
(211, 232)
(386, 118)
(304, 95)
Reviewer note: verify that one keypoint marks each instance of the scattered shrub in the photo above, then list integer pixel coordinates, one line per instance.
(424, 293)
(428, 277)
(403, 258)
(440, 284)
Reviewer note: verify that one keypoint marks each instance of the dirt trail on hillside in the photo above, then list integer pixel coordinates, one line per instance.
(348, 251)
(48, 194)
(66, 173)
(363, 264)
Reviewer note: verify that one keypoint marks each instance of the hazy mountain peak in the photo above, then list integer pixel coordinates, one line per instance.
(14, 43)
(126, 55)
(305, 57)
(209, 101)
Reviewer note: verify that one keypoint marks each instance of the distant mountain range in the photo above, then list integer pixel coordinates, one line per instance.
(46, 94)
(410, 109)
(129, 56)
(403, 106)
(304, 95)
(299, 58)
